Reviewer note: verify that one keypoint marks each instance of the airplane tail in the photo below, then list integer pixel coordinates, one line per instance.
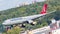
(44, 9)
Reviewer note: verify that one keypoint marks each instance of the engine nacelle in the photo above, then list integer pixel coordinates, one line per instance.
(30, 21)
(34, 22)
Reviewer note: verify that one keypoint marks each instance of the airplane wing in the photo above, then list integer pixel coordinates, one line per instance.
(43, 15)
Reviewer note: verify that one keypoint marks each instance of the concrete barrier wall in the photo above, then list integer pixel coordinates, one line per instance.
(45, 30)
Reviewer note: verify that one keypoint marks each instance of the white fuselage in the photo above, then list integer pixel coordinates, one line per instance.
(21, 19)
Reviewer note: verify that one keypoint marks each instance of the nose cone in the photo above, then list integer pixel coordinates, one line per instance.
(3, 23)
(6, 22)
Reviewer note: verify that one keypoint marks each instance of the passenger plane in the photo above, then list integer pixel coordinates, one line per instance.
(28, 19)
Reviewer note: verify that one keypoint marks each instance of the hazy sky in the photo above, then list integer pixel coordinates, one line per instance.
(7, 4)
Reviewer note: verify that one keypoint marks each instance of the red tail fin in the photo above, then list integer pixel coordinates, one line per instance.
(44, 9)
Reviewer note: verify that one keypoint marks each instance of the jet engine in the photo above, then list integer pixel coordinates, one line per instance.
(30, 21)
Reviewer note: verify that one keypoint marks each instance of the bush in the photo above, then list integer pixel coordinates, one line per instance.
(14, 30)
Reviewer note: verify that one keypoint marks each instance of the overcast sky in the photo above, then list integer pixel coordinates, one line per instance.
(7, 4)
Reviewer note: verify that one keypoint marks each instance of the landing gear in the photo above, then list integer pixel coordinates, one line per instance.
(23, 25)
(32, 24)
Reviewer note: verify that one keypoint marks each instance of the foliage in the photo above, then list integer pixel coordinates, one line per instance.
(15, 30)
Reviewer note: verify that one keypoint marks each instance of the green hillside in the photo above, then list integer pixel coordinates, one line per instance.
(31, 9)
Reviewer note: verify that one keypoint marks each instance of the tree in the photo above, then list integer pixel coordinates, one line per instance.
(15, 30)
